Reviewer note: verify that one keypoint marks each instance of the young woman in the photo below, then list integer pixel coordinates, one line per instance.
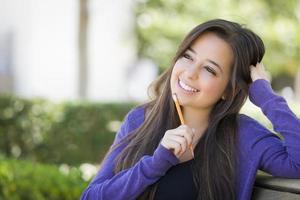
(215, 68)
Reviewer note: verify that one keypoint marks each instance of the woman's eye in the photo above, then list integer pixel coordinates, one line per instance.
(210, 70)
(187, 56)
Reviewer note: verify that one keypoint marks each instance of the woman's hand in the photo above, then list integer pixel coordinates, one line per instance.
(178, 139)
(259, 72)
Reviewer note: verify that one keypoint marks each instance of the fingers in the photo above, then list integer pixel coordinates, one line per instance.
(181, 144)
(258, 66)
(186, 132)
(178, 139)
(259, 72)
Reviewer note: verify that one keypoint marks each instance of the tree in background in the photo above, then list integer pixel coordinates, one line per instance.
(161, 24)
(82, 48)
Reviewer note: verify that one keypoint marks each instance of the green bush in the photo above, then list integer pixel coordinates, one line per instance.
(69, 132)
(20, 180)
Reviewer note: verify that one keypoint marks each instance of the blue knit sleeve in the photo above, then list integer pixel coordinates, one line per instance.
(278, 157)
(129, 183)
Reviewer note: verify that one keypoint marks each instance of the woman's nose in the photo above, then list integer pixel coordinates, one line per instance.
(192, 72)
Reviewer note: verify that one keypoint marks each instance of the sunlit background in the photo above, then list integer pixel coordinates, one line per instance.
(70, 70)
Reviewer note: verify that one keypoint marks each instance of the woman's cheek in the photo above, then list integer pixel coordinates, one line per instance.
(207, 79)
(210, 85)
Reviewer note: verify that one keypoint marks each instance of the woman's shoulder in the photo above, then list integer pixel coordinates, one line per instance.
(248, 124)
(252, 132)
(135, 117)
(245, 120)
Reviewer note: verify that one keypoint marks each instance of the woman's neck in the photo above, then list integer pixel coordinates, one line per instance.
(197, 119)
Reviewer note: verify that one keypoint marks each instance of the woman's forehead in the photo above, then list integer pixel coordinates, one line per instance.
(210, 46)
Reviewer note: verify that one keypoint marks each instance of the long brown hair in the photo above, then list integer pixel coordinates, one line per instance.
(215, 154)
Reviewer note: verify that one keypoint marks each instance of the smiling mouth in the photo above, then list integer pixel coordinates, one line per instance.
(187, 87)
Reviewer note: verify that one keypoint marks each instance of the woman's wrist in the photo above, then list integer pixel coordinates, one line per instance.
(260, 91)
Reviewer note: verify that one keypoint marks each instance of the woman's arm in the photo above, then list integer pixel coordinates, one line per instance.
(129, 183)
(279, 158)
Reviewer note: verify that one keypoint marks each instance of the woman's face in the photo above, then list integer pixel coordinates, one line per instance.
(200, 76)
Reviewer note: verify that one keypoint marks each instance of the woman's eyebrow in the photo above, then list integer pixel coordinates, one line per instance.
(211, 61)
(214, 63)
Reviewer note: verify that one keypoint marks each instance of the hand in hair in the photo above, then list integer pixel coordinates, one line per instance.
(178, 139)
(259, 72)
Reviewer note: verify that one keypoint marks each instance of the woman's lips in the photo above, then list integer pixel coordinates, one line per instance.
(186, 87)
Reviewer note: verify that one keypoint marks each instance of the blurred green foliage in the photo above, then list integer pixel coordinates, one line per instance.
(68, 132)
(20, 180)
(162, 24)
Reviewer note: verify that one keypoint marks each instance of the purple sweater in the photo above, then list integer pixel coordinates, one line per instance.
(259, 149)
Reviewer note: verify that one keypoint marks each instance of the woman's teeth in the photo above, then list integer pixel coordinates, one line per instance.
(186, 87)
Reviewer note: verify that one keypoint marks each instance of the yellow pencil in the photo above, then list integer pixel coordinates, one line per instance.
(181, 117)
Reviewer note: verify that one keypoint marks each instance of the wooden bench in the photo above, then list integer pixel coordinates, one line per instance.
(270, 188)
